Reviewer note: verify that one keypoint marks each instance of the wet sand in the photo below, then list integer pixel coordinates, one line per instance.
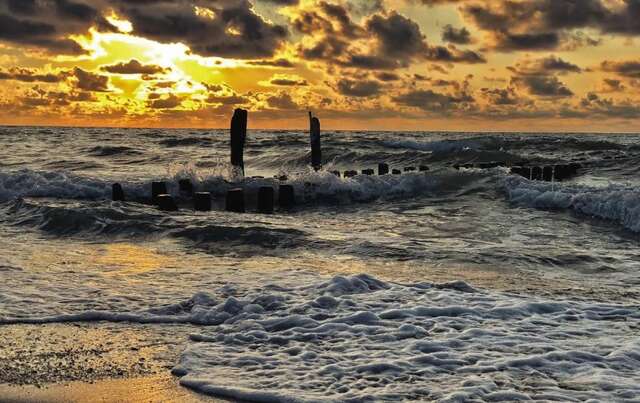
(92, 362)
(146, 389)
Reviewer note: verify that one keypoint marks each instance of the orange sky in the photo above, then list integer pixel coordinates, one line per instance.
(524, 65)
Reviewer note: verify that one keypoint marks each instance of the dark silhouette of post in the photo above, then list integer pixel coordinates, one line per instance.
(117, 192)
(202, 201)
(186, 187)
(383, 169)
(235, 200)
(166, 203)
(286, 197)
(238, 137)
(316, 150)
(265, 200)
(157, 188)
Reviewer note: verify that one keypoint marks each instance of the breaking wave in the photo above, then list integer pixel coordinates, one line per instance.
(620, 204)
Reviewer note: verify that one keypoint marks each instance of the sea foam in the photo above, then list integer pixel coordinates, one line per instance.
(359, 338)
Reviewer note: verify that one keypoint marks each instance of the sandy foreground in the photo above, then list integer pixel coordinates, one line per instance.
(92, 362)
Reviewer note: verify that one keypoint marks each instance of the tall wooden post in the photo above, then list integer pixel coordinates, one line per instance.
(316, 150)
(238, 136)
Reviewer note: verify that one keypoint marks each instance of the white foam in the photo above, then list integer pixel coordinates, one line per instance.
(358, 339)
(617, 203)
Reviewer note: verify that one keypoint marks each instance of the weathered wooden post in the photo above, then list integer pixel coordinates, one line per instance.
(336, 173)
(186, 187)
(166, 203)
(286, 196)
(202, 201)
(383, 169)
(368, 172)
(316, 150)
(396, 172)
(238, 137)
(350, 174)
(409, 169)
(423, 168)
(157, 188)
(265, 200)
(117, 193)
(235, 200)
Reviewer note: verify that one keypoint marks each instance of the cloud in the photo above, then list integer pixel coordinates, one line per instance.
(625, 68)
(544, 66)
(282, 100)
(460, 36)
(429, 100)
(168, 102)
(88, 81)
(288, 80)
(134, 67)
(358, 88)
(31, 76)
(281, 62)
(544, 86)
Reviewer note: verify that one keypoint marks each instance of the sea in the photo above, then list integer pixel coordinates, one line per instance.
(455, 284)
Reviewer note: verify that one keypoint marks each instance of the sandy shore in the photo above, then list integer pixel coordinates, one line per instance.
(146, 389)
(92, 362)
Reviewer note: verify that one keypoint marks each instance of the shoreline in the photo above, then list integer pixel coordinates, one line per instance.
(157, 388)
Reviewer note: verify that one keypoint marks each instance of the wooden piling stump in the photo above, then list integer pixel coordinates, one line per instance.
(186, 187)
(235, 200)
(423, 168)
(117, 193)
(202, 201)
(396, 172)
(383, 169)
(350, 174)
(166, 203)
(409, 169)
(286, 197)
(265, 200)
(316, 148)
(368, 172)
(157, 188)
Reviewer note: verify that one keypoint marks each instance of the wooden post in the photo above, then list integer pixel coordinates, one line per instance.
(157, 188)
(383, 169)
(368, 172)
(202, 201)
(336, 173)
(186, 186)
(265, 200)
(350, 174)
(423, 168)
(117, 193)
(238, 137)
(409, 169)
(396, 172)
(286, 196)
(235, 200)
(316, 150)
(166, 203)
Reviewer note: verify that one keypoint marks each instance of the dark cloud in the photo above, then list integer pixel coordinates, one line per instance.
(460, 36)
(549, 24)
(429, 100)
(230, 29)
(88, 81)
(283, 101)
(169, 102)
(30, 76)
(625, 68)
(544, 86)
(281, 62)
(545, 66)
(500, 96)
(134, 67)
(613, 85)
(286, 81)
(358, 88)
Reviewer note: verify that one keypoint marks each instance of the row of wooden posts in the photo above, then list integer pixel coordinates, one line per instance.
(235, 197)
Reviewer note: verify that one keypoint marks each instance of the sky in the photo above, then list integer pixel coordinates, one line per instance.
(452, 65)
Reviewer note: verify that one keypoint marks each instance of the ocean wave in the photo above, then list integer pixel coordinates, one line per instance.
(620, 204)
(185, 141)
(359, 338)
(448, 146)
(107, 151)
